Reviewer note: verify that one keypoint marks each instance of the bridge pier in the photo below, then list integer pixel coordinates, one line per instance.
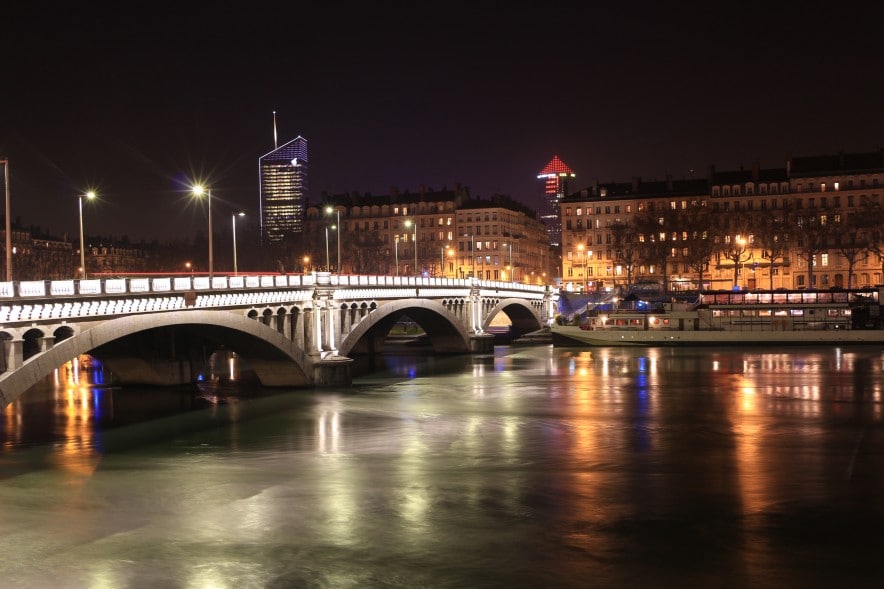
(333, 371)
(482, 343)
(14, 350)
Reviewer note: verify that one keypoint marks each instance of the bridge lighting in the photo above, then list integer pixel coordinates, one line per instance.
(89, 195)
(234, 216)
(329, 210)
(198, 191)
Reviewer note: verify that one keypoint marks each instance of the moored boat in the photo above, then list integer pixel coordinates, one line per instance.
(797, 317)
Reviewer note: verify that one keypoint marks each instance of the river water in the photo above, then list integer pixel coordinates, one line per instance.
(529, 467)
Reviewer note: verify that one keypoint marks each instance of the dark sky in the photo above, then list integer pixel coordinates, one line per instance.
(408, 94)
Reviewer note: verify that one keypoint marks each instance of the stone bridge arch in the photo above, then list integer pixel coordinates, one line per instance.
(446, 333)
(275, 360)
(525, 318)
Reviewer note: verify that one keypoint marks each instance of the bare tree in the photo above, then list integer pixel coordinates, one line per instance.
(813, 236)
(772, 238)
(699, 240)
(626, 247)
(733, 241)
(655, 230)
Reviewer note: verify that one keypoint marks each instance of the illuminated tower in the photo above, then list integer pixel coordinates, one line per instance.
(282, 177)
(555, 178)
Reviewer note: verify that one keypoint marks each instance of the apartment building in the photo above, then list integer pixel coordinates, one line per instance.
(814, 223)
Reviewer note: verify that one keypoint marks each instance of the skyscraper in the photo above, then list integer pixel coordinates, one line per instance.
(555, 178)
(283, 190)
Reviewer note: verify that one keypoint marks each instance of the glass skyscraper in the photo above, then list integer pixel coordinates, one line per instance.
(283, 187)
(555, 178)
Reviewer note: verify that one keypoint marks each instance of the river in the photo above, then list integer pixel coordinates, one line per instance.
(529, 467)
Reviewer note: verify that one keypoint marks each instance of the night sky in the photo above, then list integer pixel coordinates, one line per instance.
(138, 105)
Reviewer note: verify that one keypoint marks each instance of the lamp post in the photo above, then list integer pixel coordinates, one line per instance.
(89, 195)
(198, 191)
(5, 163)
(396, 242)
(233, 217)
(327, 260)
(410, 223)
(472, 255)
(337, 227)
(512, 268)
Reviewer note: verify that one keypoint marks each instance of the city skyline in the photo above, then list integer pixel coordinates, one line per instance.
(140, 110)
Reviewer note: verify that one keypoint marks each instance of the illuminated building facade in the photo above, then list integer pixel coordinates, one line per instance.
(444, 234)
(555, 177)
(818, 222)
(283, 190)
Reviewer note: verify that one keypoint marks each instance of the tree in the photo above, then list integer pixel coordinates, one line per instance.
(734, 241)
(813, 236)
(699, 240)
(772, 238)
(626, 247)
(655, 229)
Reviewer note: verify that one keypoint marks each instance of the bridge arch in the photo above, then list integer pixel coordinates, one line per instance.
(275, 360)
(445, 332)
(524, 317)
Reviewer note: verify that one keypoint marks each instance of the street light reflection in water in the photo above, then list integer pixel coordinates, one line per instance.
(624, 467)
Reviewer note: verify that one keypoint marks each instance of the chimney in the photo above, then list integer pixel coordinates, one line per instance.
(756, 170)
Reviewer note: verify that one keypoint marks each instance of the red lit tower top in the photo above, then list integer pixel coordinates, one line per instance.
(555, 178)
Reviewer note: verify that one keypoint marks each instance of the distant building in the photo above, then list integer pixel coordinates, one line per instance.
(818, 222)
(444, 234)
(283, 190)
(555, 177)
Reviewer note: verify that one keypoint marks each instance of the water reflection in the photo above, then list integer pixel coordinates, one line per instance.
(627, 467)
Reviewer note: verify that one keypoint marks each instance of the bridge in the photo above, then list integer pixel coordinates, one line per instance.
(292, 330)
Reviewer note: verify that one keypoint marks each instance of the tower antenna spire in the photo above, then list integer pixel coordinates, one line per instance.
(274, 131)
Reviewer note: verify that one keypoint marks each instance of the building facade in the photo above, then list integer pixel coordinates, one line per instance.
(815, 223)
(443, 233)
(283, 175)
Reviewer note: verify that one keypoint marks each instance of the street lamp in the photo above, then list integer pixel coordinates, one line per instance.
(410, 223)
(582, 265)
(234, 216)
(337, 227)
(5, 163)
(472, 255)
(198, 191)
(327, 261)
(90, 195)
(396, 240)
(511, 267)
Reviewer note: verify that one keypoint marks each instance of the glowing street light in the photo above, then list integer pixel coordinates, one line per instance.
(396, 242)
(234, 216)
(198, 191)
(90, 195)
(329, 210)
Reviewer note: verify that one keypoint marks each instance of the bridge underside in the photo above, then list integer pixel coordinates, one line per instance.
(178, 355)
